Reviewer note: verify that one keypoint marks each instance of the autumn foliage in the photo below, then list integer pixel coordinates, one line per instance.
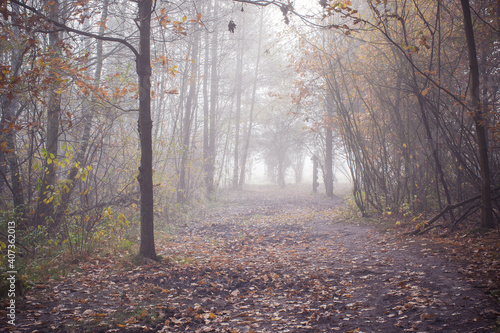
(400, 84)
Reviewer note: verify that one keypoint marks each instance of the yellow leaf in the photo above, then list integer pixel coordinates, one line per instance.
(427, 316)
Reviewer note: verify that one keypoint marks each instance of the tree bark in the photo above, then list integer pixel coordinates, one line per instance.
(480, 120)
(315, 174)
(206, 105)
(239, 77)
(433, 145)
(88, 111)
(182, 188)
(329, 147)
(9, 106)
(143, 61)
(145, 177)
(44, 214)
(252, 107)
(211, 150)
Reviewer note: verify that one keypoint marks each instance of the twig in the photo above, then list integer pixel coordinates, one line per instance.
(21, 245)
(445, 210)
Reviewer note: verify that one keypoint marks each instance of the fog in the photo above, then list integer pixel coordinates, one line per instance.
(111, 104)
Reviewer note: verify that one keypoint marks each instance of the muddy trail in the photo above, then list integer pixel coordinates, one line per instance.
(269, 260)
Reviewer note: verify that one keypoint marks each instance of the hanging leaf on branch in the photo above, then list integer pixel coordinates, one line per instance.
(231, 26)
(285, 9)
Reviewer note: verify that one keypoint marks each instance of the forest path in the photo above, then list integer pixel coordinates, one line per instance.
(270, 260)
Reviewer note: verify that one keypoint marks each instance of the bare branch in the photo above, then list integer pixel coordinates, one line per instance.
(76, 31)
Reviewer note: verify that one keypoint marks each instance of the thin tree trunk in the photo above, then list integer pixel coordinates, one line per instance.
(479, 121)
(45, 208)
(329, 148)
(214, 98)
(182, 190)
(434, 149)
(145, 178)
(206, 105)
(315, 174)
(239, 77)
(281, 171)
(9, 106)
(88, 112)
(401, 130)
(252, 107)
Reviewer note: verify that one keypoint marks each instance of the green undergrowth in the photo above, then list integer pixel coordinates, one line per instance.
(113, 236)
(39, 256)
(407, 218)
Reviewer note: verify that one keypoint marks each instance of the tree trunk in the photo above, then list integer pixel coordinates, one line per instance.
(182, 190)
(315, 174)
(239, 77)
(281, 172)
(9, 106)
(88, 112)
(211, 150)
(206, 105)
(433, 145)
(480, 121)
(44, 214)
(145, 177)
(329, 147)
(252, 107)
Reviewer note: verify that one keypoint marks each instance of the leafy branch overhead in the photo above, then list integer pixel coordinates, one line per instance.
(178, 165)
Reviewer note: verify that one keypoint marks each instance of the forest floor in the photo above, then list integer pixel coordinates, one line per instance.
(273, 260)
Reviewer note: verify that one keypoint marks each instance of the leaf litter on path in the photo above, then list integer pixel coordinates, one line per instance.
(271, 261)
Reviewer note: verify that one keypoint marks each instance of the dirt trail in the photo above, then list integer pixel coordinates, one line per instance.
(346, 276)
(271, 260)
